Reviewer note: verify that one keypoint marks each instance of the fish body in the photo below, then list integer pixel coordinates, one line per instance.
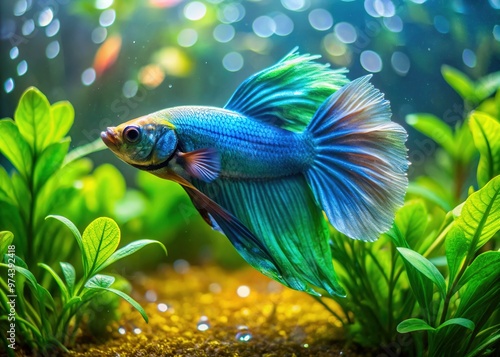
(296, 142)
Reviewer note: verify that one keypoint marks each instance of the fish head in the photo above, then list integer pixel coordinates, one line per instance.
(143, 142)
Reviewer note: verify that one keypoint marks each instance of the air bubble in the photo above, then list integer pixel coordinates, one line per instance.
(203, 324)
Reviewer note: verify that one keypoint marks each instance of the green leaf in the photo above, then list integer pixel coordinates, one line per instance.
(129, 249)
(6, 188)
(457, 248)
(411, 220)
(100, 281)
(480, 216)
(100, 240)
(69, 275)
(458, 321)
(63, 116)
(76, 234)
(423, 188)
(57, 279)
(6, 239)
(433, 127)
(484, 267)
(412, 325)
(486, 135)
(33, 119)
(49, 162)
(131, 301)
(425, 267)
(487, 85)
(459, 82)
(14, 147)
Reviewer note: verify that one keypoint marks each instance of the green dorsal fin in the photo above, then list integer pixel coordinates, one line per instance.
(288, 93)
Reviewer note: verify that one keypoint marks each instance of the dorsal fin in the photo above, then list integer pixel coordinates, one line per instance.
(288, 93)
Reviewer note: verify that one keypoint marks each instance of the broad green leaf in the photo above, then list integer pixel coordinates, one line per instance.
(44, 297)
(484, 267)
(14, 147)
(49, 162)
(459, 82)
(76, 234)
(100, 240)
(69, 275)
(412, 325)
(486, 134)
(458, 321)
(411, 220)
(129, 249)
(6, 239)
(63, 116)
(487, 85)
(100, 281)
(57, 279)
(480, 216)
(33, 119)
(22, 194)
(457, 247)
(425, 267)
(433, 127)
(6, 189)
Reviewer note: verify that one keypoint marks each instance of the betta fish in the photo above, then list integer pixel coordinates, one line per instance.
(296, 144)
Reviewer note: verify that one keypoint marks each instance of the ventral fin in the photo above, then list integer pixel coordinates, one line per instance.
(203, 164)
(288, 93)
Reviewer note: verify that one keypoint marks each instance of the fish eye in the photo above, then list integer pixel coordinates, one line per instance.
(131, 134)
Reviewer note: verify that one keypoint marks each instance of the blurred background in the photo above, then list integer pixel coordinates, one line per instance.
(118, 59)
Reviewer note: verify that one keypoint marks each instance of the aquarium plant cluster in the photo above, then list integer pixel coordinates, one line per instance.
(429, 286)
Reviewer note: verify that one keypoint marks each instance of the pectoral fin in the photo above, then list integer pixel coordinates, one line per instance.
(203, 164)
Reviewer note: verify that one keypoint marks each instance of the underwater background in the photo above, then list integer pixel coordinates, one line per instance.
(115, 60)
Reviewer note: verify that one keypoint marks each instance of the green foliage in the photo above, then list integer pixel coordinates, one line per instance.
(54, 292)
(435, 273)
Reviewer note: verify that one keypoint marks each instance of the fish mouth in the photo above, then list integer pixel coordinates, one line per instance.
(109, 137)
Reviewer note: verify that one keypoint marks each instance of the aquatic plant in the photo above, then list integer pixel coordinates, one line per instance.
(43, 309)
(435, 273)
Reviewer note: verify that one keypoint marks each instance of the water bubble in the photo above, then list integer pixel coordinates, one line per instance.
(52, 49)
(8, 85)
(345, 32)
(45, 17)
(137, 330)
(224, 33)
(99, 34)
(181, 266)
(88, 76)
(305, 345)
(469, 58)
(150, 295)
(284, 25)
(203, 324)
(187, 37)
(243, 291)
(441, 24)
(103, 4)
(371, 61)
(20, 8)
(122, 330)
(107, 18)
(264, 26)
(295, 5)
(400, 62)
(162, 307)
(243, 334)
(195, 11)
(320, 19)
(22, 68)
(394, 23)
(53, 28)
(233, 61)
(215, 288)
(28, 27)
(14, 52)
(170, 86)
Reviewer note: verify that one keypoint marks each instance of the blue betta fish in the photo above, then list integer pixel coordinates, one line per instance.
(295, 140)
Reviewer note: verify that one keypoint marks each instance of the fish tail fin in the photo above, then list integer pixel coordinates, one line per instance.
(359, 172)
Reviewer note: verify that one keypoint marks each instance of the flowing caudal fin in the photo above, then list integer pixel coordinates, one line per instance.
(288, 93)
(359, 173)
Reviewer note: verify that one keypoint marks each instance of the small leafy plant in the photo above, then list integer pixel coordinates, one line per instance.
(434, 277)
(48, 307)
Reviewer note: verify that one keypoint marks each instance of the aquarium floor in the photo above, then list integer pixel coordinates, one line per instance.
(282, 322)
